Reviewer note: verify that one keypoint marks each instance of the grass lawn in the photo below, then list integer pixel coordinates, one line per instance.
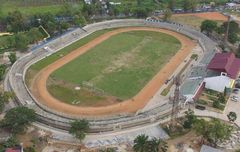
(120, 66)
(50, 59)
(30, 7)
(191, 20)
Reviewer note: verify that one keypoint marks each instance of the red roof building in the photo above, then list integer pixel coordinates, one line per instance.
(225, 62)
(19, 149)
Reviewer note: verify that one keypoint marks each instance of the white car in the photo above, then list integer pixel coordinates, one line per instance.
(235, 98)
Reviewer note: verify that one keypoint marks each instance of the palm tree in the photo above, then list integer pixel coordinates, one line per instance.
(140, 143)
(162, 146)
(157, 145)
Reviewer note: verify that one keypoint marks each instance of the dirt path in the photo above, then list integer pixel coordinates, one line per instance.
(39, 89)
(206, 15)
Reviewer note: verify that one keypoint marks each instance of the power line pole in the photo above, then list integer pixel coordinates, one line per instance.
(175, 101)
(227, 31)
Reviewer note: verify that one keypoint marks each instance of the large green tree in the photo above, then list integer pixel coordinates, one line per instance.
(218, 131)
(79, 20)
(141, 12)
(34, 35)
(201, 128)
(213, 131)
(12, 57)
(2, 71)
(167, 15)
(233, 31)
(189, 5)
(190, 119)
(18, 119)
(208, 26)
(79, 128)
(21, 41)
(4, 98)
(172, 4)
(16, 22)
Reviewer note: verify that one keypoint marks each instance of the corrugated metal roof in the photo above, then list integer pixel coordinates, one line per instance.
(206, 148)
(225, 62)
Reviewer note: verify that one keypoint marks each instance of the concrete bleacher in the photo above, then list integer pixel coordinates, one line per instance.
(190, 86)
(60, 119)
(197, 72)
(126, 137)
(207, 57)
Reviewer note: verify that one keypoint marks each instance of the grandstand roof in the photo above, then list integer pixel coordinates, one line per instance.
(225, 62)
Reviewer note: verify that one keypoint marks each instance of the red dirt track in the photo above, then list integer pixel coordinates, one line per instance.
(39, 83)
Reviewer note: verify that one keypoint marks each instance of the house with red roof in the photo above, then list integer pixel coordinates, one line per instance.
(228, 67)
(16, 149)
(227, 63)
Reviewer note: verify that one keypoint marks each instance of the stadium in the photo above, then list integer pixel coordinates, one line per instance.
(126, 43)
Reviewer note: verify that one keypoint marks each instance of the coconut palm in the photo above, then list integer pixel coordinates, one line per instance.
(140, 143)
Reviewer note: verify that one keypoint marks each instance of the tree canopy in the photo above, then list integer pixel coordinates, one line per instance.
(142, 143)
(189, 5)
(4, 98)
(232, 116)
(190, 119)
(208, 26)
(213, 131)
(12, 57)
(167, 15)
(18, 119)
(2, 71)
(79, 128)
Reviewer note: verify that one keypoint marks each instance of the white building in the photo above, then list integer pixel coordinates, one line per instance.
(219, 83)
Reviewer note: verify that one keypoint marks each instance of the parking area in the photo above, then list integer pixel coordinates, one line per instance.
(234, 102)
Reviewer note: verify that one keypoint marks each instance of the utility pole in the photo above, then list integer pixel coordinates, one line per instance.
(227, 31)
(175, 101)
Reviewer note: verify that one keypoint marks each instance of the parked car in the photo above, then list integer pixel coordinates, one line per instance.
(200, 107)
(234, 98)
(235, 90)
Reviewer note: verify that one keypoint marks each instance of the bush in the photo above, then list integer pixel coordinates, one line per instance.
(216, 104)
(194, 57)
(2, 71)
(200, 101)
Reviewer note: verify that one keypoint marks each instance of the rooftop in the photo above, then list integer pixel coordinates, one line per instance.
(206, 148)
(225, 62)
(17, 149)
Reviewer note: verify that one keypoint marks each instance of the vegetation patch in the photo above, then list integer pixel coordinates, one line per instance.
(213, 99)
(50, 59)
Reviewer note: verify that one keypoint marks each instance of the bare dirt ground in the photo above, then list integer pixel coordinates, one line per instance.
(39, 83)
(208, 15)
(182, 143)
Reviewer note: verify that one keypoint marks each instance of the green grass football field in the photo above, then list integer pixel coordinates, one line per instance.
(120, 66)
